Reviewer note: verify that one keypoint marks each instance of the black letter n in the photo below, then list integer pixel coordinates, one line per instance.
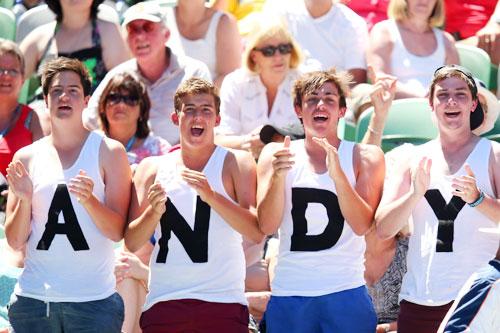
(70, 227)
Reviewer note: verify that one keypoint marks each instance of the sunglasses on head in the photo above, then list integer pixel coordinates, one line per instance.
(135, 28)
(114, 99)
(269, 51)
(460, 69)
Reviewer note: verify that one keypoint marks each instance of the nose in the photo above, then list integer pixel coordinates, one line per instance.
(451, 100)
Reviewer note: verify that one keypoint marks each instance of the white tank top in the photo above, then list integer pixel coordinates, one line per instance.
(310, 264)
(203, 49)
(75, 266)
(435, 277)
(411, 69)
(197, 255)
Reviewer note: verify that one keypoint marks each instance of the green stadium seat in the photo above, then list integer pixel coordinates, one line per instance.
(409, 121)
(7, 4)
(7, 24)
(346, 130)
(477, 61)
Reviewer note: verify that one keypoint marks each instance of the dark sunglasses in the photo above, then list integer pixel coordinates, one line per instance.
(147, 27)
(269, 51)
(114, 99)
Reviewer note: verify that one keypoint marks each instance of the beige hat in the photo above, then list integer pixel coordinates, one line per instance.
(148, 10)
(491, 109)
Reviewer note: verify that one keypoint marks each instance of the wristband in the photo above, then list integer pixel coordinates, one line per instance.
(478, 200)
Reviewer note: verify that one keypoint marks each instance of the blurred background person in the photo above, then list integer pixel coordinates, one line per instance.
(77, 33)
(410, 47)
(206, 34)
(260, 92)
(123, 113)
(19, 124)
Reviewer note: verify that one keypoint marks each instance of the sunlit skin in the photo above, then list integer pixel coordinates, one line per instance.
(144, 43)
(421, 8)
(453, 103)
(65, 95)
(278, 63)
(10, 85)
(320, 112)
(196, 120)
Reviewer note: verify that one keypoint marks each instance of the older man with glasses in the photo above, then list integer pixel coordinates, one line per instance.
(156, 64)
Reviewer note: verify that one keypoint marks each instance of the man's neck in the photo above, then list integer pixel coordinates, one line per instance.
(316, 153)
(455, 142)
(67, 136)
(196, 158)
(318, 8)
(152, 69)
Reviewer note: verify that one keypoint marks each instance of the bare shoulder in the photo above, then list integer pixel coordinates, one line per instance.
(110, 146)
(108, 28)
(147, 169)
(25, 155)
(368, 154)
(226, 22)
(449, 41)
(239, 160)
(381, 32)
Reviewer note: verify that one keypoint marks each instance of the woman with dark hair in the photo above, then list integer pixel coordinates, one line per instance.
(124, 112)
(76, 33)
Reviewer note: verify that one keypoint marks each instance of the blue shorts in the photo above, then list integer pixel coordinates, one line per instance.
(31, 315)
(345, 311)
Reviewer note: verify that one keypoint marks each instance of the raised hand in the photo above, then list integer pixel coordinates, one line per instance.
(465, 186)
(332, 156)
(421, 176)
(81, 186)
(283, 159)
(199, 182)
(19, 181)
(157, 198)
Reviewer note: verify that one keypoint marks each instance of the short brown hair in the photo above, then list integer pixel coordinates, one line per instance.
(196, 86)
(9, 47)
(398, 11)
(134, 87)
(312, 81)
(62, 64)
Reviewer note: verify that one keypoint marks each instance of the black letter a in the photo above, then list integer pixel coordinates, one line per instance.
(70, 227)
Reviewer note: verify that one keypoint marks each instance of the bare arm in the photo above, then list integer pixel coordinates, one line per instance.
(450, 49)
(115, 50)
(274, 163)
(228, 48)
(147, 204)
(18, 210)
(380, 48)
(109, 216)
(36, 129)
(401, 195)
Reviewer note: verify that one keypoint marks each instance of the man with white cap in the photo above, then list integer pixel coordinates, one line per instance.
(441, 198)
(155, 64)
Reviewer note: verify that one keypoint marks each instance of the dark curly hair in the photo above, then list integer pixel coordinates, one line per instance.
(55, 6)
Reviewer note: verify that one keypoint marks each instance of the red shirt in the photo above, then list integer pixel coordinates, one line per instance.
(373, 11)
(18, 137)
(466, 17)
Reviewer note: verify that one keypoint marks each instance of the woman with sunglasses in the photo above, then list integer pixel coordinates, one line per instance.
(259, 93)
(77, 33)
(124, 112)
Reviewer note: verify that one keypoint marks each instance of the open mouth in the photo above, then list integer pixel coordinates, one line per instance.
(452, 114)
(320, 118)
(64, 108)
(197, 130)
(5, 85)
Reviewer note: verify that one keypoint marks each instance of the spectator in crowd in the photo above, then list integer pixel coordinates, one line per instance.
(478, 303)
(22, 6)
(321, 193)
(123, 112)
(205, 192)
(19, 125)
(77, 33)
(450, 182)
(68, 201)
(475, 22)
(409, 46)
(260, 93)
(328, 32)
(206, 34)
(157, 66)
